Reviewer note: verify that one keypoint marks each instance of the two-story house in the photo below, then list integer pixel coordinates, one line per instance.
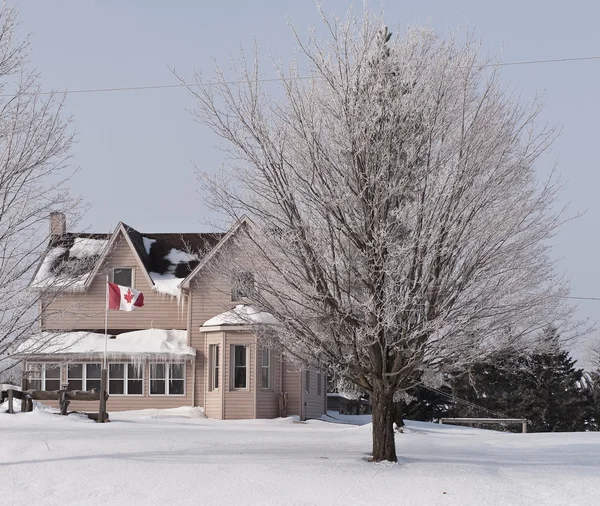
(191, 344)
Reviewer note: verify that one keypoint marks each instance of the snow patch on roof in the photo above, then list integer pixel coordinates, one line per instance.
(136, 345)
(166, 283)
(84, 247)
(148, 244)
(44, 277)
(242, 314)
(176, 256)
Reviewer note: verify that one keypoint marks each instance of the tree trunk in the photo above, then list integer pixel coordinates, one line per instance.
(384, 446)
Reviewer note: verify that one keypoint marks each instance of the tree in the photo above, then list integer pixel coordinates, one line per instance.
(34, 153)
(397, 220)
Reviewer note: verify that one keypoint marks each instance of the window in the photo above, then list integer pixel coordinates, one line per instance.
(35, 375)
(84, 376)
(213, 356)
(318, 382)
(239, 369)
(266, 369)
(93, 376)
(75, 377)
(51, 377)
(125, 379)
(307, 381)
(123, 276)
(243, 286)
(167, 379)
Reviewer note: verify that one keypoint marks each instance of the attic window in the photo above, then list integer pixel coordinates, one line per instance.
(244, 286)
(123, 276)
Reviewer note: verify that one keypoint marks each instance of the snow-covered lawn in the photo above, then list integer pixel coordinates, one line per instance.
(179, 457)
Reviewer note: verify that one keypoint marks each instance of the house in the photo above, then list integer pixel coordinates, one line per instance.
(191, 344)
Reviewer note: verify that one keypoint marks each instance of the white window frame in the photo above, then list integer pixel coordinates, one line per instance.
(307, 380)
(232, 367)
(214, 351)
(166, 380)
(42, 374)
(319, 382)
(126, 380)
(132, 269)
(268, 367)
(83, 378)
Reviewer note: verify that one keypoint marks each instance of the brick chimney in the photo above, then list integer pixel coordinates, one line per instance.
(58, 224)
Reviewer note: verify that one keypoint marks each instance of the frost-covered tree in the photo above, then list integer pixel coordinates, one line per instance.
(398, 223)
(34, 151)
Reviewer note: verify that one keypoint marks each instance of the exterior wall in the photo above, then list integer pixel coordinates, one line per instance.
(72, 311)
(211, 400)
(132, 402)
(239, 404)
(267, 401)
(314, 402)
(208, 297)
(292, 384)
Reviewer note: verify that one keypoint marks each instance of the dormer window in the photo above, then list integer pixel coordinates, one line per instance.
(244, 286)
(123, 276)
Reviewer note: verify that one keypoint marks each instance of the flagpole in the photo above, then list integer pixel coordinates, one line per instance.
(106, 323)
(104, 373)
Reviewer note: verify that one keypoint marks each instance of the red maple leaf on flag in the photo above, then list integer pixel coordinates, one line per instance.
(128, 296)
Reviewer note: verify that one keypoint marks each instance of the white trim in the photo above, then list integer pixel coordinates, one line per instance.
(232, 367)
(244, 220)
(166, 379)
(212, 348)
(270, 368)
(132, 269)
(126, 379)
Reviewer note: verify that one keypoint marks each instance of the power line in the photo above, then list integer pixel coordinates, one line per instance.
(583, 298)
(274, 79)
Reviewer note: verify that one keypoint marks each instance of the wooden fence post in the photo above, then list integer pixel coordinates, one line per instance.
(524, 426)
(10, 401)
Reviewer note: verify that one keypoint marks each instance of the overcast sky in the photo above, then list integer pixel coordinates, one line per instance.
(137, 149)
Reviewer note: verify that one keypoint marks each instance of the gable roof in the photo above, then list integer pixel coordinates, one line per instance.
(243, 221)
(164, 258)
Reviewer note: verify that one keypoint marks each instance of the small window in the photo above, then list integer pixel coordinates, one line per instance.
(167, 379)
(93, 374)
(34, 376)
(318, 382)
(52, 377)
(307, 381)
(266, 369)
(75, 377)
(214, 366)
(239, 367)
(123, 276)
(116, 379)
(135, 380)
(243, 286)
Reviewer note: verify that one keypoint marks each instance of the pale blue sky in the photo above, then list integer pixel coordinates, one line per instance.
(136, 150)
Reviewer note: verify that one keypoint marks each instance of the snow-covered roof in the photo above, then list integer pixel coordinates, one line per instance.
(72, 258)
(136, 345)
(69, 260)
(242, 314)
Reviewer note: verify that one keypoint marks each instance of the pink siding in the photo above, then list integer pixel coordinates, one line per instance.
(239, 404)
(86, 310)
(292, 384)
(212, 400)
(267, 401)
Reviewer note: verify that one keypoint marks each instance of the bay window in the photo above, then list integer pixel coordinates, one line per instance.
(239, 366)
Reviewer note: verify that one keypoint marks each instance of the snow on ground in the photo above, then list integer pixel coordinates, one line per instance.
(179, 457)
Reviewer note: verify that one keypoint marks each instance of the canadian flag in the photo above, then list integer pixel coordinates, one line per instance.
(124, 298)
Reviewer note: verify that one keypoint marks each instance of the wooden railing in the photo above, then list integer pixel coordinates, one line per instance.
(64, 397)
(468, 421)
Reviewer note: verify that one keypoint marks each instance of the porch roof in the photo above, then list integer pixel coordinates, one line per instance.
(168, 345)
